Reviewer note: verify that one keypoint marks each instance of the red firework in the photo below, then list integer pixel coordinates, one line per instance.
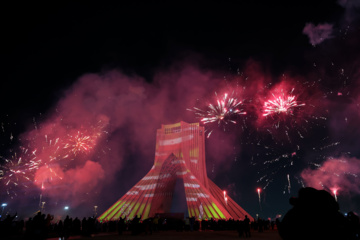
(80, 143)
(281, 104)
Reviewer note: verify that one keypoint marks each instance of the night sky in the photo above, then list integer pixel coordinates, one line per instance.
(134, 65)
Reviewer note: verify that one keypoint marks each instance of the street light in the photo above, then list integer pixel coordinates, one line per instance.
(3, 206)
(66, 208)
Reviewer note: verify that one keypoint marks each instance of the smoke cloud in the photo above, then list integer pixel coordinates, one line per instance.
(319, 33)
(121, 113)
(107, 122)
(72, 183)
(340, 174)
(351, 9)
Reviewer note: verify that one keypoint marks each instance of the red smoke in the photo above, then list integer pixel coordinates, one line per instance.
(115, 116)
(318, 34)
(342, 174)
(121, 114)
(69, 184)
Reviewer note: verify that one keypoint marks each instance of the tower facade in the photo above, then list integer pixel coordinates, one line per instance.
(179, 153)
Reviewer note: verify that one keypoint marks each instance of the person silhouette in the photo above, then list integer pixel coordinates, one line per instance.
(247, 226)
(314, 215)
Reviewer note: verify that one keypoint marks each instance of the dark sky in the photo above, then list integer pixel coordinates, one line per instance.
(47, 47)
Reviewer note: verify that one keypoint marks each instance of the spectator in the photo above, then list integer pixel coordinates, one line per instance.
(247, 226)
(315, 215)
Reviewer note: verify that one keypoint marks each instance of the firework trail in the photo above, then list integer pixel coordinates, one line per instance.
(225, 198)
(289, 184)
(225, 111)
(335, 191)
(259, 195)
(273, 160)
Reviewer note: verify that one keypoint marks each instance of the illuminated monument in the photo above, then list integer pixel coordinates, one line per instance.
(180, 153)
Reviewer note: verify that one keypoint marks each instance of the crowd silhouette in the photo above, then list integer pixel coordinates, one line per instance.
(315, 215)
(43, 226)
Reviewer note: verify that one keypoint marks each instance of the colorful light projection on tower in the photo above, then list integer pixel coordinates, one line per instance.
(180, 153)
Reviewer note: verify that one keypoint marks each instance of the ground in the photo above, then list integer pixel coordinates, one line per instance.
(173, 235)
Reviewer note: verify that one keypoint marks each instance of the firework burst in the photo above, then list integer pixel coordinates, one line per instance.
(281, 104)
(284, 116)
(287, 116)
(79, 143)
(225, 111)
(46, 155)
(18, 170)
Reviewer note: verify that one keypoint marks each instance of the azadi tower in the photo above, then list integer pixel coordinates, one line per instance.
(180, 153)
